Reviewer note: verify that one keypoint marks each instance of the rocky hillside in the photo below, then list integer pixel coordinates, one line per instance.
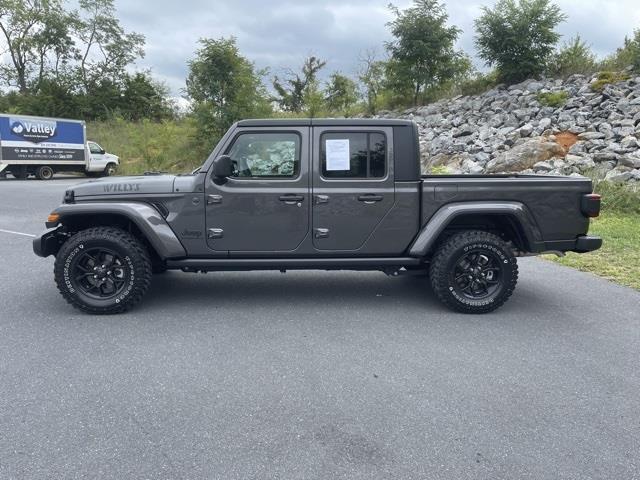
(534, 127)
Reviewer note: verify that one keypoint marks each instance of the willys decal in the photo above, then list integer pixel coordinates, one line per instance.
(121, 187)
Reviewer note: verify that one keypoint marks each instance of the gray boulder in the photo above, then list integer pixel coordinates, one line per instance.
(525, 155)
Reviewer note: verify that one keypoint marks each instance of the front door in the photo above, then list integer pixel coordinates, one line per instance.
(97, 157)
(264, 206)
(353, 185)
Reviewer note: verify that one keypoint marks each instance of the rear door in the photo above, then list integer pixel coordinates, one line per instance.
(264, 206)
(353, 185)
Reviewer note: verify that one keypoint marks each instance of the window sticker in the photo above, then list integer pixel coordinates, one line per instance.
(338, 155)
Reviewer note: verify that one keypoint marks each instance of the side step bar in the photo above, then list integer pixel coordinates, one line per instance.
(235, 264)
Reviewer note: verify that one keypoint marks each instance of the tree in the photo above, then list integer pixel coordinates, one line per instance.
(574, 57)
(341, 94)
(73, 64)
(518, 37)
(626, 56)
(292, 91)
(224, 87)
(106, 48)
(372, 77)
(422, 55)
(142, 97)
(31, 31)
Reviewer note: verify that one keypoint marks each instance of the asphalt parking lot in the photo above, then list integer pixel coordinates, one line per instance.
(311, 375)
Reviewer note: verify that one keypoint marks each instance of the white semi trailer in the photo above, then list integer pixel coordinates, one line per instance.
(44, 146)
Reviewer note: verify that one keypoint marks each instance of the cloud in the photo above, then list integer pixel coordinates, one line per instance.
(278, 34)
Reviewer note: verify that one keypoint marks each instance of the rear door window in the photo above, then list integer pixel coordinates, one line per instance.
(351, 155)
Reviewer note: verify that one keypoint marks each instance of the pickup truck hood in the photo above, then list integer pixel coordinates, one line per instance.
(126, 185)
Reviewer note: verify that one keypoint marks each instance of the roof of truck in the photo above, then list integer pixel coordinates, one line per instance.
(324, 122)
(59, 119)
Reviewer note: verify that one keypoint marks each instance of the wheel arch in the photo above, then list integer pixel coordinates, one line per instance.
(142, 220)
(512, 220)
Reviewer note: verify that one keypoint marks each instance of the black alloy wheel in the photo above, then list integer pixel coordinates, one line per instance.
(473, 272)
(100, 273)
(477, 274)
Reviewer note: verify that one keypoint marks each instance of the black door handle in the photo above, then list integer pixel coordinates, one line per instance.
(291, 198)
(370, 198)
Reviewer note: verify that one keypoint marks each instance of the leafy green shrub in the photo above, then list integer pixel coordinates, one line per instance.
(553, 99)
(479, 83)
(618, 197)
(575, 57)
(605, 78)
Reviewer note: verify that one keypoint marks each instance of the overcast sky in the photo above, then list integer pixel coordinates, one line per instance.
(280, 33)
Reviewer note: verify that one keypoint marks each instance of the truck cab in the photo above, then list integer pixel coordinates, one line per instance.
(314, 194)
(99, 161)
(288, 191)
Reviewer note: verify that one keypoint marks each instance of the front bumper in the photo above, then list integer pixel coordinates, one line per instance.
(48, 243)
(587, 243)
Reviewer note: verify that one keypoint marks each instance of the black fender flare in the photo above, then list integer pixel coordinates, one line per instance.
(150, 222)
(425, 240)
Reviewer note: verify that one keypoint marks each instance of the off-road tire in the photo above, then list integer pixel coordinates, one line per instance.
(127, 247)
(44, 173)
(449, 254)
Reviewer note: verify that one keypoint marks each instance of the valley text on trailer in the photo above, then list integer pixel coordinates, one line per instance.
(43, 146)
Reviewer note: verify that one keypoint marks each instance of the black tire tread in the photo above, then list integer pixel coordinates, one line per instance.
(438, 270)
(140, 256)
(39, 171)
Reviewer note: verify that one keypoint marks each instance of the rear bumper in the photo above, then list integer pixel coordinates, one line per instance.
(48, 243)
(587, 243)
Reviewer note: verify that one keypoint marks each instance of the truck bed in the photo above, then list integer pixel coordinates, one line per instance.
(554, 202)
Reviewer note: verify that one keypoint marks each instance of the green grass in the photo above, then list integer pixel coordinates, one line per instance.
(168, 146)
(606, 78)
(553, 99)
(619, 258)
(619, 226)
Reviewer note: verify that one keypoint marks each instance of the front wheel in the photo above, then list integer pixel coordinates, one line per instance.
(110, 170)
(474, 272)
(103, 270)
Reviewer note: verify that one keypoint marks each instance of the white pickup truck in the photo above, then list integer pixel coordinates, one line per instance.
(44, 146)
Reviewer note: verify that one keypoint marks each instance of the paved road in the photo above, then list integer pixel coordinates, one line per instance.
(312, 375)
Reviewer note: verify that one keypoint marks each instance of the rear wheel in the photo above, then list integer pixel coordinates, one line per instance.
(474, 272)
(103, 270)
(44, 173)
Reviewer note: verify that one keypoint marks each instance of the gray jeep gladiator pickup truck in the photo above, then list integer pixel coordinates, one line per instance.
(314, 194)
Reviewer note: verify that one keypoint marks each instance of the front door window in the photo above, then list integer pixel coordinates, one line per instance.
(94, 148)
(260, 155)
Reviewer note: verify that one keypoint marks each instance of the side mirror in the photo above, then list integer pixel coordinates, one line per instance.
(223, 166)
(102, 152)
